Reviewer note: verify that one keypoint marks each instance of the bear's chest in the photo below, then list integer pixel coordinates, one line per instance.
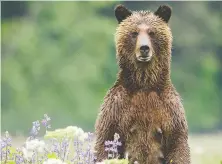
(144, 120)
(145, 112)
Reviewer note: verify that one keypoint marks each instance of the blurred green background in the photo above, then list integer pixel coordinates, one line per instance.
(59, 58)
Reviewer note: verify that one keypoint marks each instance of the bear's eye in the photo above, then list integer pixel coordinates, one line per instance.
(134, 34)
(151, 33)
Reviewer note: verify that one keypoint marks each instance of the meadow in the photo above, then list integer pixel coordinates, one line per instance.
(205, 149)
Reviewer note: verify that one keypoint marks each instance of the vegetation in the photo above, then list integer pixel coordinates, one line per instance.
(62, 146)
(59, 58)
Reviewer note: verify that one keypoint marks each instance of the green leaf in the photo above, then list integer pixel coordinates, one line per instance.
(52, 155)
(10, 162)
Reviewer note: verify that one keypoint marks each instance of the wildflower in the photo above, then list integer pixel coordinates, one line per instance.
(35, 129)
(53, 161)
(70, 132)
(127, 155)
(110, 156)
(6, 141)
(107, 143)
(18, 156)
(55, 146)
(32, 147)
(64, 147)
(100, 162)
(89, 137)
(5, 146)
(111, 146)
(116, 137)
(35, 145)
(18, 159)
(63, 142)
(27, 154)
(45, 121)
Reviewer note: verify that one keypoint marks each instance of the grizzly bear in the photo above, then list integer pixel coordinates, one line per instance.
(143, 106)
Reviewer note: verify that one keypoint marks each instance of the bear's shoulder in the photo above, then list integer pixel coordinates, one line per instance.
(115, 100)
(173, 103)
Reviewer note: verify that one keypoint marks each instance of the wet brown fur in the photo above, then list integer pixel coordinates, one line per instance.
(143, 106)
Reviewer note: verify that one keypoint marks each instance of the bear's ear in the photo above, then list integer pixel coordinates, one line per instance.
(164, 12)
(121, 13)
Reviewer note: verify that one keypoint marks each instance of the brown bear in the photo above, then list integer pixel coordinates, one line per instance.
(143, 106)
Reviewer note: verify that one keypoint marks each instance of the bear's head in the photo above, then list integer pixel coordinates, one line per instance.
(144, 42)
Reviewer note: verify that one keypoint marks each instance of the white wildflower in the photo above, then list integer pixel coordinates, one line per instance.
(79, 132)
(41, 146)
(100, 163)
(58, 133)
(71, 128)
(116, 137)
(83, 137)
(69, 132)
(27, 154)
(53, 161)
(35, 145)
(127, 155)
(6, 134)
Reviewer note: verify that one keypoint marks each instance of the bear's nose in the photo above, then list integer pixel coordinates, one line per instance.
(144, 50)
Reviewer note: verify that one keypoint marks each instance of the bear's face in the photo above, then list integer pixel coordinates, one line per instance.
(143, 37)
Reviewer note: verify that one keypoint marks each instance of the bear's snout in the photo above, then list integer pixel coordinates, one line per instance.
(144, 55)
(144, 50)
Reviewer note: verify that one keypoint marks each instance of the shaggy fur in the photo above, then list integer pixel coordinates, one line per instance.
(143, 106)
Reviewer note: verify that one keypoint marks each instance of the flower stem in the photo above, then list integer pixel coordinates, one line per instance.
(6, 155)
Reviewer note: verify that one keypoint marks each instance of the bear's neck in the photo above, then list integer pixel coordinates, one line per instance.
(144, 79)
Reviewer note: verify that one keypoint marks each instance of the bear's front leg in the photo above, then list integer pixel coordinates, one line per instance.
(178, 150)
(105, 130)
(107, 124)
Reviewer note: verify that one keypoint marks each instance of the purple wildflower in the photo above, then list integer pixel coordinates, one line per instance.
(78, 149)
(19, 159)
(46, 121)
(5, 145)
(89, 137)
(55, 146)
(34, 157)
(35, 129)
(65, 143)
(64, 147)
(112, 146)
(87, 153)
(6, 141)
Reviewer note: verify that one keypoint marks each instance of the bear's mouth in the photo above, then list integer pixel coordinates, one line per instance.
(144, 58)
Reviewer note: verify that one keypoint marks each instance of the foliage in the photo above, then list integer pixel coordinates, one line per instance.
(59, 57)
(62, 146)
(55, 62)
